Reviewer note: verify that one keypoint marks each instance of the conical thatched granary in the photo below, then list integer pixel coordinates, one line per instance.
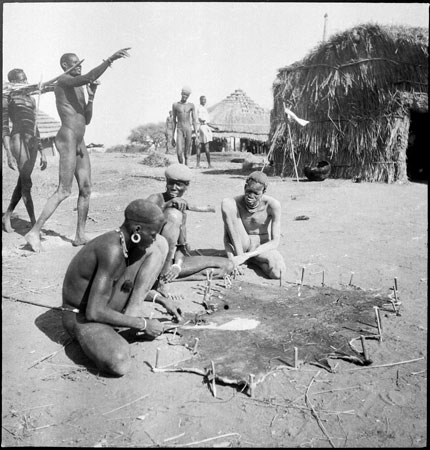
(48, 128)
(239, 117)
(365, 93)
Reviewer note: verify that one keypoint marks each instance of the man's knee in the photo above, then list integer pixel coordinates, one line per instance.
(26, 185)
(228, 206)
(63, 192)
(173, 216)
(119, 363)
(85, 189)
(276, 268)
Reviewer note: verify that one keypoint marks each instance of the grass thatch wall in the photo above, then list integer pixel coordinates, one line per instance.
(356, 90)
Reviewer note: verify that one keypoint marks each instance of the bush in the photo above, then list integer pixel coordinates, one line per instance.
(155, 159)
(129, 148)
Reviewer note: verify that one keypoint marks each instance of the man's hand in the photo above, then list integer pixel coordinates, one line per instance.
(92, 88)
(43, 161)
(178, 203)
(153, 328)
(171, 308)
(239, 259)
(11, 161)
(119, 54)
(171, 274)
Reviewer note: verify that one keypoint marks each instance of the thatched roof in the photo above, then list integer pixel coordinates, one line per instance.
(48, 127)
(239, 116)
(356, 90)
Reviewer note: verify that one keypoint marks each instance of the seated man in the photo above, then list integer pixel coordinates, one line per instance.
(107, 295)
(252, 227)
(179, 262)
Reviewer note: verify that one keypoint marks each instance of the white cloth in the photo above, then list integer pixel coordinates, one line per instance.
(205, 131)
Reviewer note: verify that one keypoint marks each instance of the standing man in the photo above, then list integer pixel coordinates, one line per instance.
(252, 227)
(169, 131)
(75, 113)
(21, 145)
(184, 114)
(205, 132)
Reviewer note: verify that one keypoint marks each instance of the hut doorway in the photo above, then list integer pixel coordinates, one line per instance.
(415, 153)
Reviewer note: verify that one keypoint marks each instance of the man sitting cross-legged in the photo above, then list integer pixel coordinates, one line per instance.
(107, 281)
(179, 262)
(252, 227)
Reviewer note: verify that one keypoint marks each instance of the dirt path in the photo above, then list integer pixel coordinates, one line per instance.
(377, 231)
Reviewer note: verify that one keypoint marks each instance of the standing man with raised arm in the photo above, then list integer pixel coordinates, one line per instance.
(22, 144)
(75, 113)
(184, 114)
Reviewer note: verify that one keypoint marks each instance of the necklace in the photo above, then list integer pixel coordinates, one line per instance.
(122, 239)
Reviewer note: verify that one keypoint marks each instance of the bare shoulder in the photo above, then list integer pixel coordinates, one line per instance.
(229, 201)
(157, 199)
(272, 202)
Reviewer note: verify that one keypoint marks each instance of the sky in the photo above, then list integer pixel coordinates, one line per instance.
(214, 48)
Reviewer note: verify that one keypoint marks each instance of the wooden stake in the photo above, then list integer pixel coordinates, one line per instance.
(378, 322)
(196, 343)
(251, 385)
(296, 358)
(322, 283)
(213, 379)
(280, 279)
(303, 275)
(157, 355)
(350, 280)
(395, 284)
(365, 354)
(292, 152)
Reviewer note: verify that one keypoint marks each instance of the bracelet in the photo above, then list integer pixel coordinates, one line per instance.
(144, 328)
(109, 61)
(155, 296)
(177, 265)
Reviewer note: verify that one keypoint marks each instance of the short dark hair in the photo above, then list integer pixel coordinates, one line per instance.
(258, 177)
(12, 75)
(65, 58)
(202, 96)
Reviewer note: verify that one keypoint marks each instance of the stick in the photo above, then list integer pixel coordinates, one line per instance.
(196, 343)
(69, 341)
(251, 385)
(303, 275)
(127, 404)
(336, 390)
(157, 354)
(321, 425)
(174, 437)
(211, 439)
(395, 284)
(322, 283)
(213, 379)
(292, 152)
(196, 208)
(296, 357)
(350, 280)
(378, 322)
(384, 365)
(59, 308)
(366, 355)
(280, 278)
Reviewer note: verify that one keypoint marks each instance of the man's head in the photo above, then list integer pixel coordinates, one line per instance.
(68, 60)
(185, 93)
(17, 76)
(178, 177)
(203, 100)
(255, 187)
(144, 218)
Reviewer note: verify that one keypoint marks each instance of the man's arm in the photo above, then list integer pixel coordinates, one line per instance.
(11, 162)
(98, 309)
(195, 119)
(174, 124)
(91, 90)
(274, 210)
(67, 80)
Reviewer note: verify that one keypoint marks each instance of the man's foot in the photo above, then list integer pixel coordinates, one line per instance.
(6, 223)
(79, 241)
(33, 239)
(210, 166)
(198, 166)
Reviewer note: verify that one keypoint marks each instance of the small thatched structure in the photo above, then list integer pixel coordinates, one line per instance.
(361, 91)
(239, 117)
(48, 129)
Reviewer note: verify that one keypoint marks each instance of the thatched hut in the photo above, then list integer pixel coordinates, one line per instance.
(365, 93)
(48, 128)
(240, 118)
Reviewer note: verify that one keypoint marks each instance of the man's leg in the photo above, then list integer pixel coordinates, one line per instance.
(187, 144)
(66, 145)
(83, 177)
(271, 263)
(208, 154)
(195, 267)
(100, 342)
(198, 155)
(236, 238)
(25, 158)
(180, 142)
(171, 232)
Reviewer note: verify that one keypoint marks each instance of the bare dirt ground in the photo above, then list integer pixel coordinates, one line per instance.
(377, 231)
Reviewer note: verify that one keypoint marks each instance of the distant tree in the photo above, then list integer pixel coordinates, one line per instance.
(148, 134)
